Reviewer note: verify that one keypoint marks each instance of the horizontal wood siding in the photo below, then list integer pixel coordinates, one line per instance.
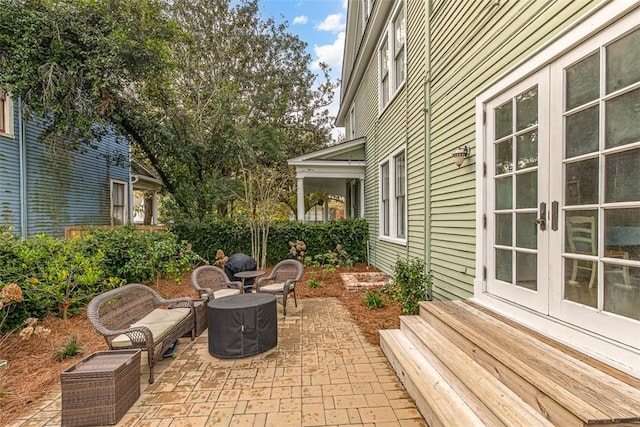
(10, 179)
(417, 212)
(472, 43)
(67, 188)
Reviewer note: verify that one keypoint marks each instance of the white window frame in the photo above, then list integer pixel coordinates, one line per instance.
(6, 115)
(391, 52)
(112, 205)
(389, 211)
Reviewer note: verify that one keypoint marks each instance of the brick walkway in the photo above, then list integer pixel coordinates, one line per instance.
(322, 372)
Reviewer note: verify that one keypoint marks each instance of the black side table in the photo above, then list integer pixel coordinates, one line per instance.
(242, 325)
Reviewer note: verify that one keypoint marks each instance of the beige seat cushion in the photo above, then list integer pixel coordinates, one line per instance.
(221, 293)
(160, 321)
(274, 287)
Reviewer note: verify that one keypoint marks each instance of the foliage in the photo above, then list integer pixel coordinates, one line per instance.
(298, 249)
(314, 284)
(69, 350)
(137, 257)
(59, 276)
(233, 236)
(200, 87)
(373, 299)
(412, 284)
(9, 295)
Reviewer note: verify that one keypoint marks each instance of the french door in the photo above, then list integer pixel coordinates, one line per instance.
(563, 188)
(518, 171)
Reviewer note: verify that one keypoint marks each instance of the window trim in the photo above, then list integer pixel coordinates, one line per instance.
(112, 183)
(6, 115)
(388, 40)
(352, 121)
(392, 219)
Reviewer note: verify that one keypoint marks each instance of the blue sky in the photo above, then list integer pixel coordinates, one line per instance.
(320, 23)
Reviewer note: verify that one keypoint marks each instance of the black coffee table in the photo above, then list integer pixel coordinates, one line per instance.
(242, 325)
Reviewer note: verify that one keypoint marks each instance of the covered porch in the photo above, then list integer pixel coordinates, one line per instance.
(337, 171)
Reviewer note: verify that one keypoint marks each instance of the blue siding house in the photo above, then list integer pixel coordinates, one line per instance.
(45, 187)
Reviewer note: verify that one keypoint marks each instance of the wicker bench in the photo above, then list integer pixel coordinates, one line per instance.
(136, 316)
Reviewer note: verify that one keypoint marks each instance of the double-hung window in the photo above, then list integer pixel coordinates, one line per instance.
(3, 101)
(6, 115)
(118, 203)
(393, 184)
(392, 54)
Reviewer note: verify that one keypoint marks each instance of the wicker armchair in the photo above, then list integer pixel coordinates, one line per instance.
(212, 282)
(282, 280)
(136, 316)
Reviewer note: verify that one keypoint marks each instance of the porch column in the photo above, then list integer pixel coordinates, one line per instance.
(300, 185)
(362, 197)
(154, 204)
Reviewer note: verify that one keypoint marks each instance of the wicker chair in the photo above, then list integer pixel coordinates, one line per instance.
(282, 280)
(119, 316)
(212, 282)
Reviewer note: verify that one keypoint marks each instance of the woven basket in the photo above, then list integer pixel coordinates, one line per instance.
(100, 389)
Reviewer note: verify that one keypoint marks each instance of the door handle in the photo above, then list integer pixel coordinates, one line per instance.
(542, 218)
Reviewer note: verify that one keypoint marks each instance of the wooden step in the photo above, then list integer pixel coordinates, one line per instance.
(504, 404)
(558, 385)
(436, 399)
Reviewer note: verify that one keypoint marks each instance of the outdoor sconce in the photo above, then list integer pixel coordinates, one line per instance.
(460, 154)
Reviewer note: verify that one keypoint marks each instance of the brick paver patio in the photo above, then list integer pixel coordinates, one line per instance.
(322, 372)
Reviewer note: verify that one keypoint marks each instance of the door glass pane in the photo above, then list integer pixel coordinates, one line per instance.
(582, 132)
(622, 177)
(527, 109)
(582, 182)
(580, 291)
(622, 120)
(526, 230)
(623, 57)
(583, 82)
(621, 290)
(622, 233)
(504, 265)
(504, 230)
(527, 190)
(527, 270)
(504, 120)
(527, 150)
(504, 193)
(581, 232)
(504, 157)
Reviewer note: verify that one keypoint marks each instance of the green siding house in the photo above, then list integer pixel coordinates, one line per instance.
(502, 147)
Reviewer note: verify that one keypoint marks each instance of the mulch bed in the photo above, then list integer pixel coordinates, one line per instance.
(31, 373)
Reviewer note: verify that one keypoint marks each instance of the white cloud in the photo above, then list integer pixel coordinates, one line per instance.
(345, 3)
(332, 23)
(302, 19)
(331, 54)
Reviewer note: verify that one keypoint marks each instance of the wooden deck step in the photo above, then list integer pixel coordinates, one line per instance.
(564, 389)
(437, 400)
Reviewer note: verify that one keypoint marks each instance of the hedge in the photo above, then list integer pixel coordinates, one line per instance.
(232, 237)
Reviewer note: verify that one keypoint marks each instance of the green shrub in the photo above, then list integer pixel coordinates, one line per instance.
(70, 349)
(412, 284)
(373, 299)
(234, 236)
(314, 284)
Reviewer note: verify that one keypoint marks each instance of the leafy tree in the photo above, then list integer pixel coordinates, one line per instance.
(199, 87)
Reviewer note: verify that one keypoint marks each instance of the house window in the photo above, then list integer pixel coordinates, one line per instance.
(6, 115)
(118, 203)
(393, 67)
(400, 168)
(352, 122)
(3, 101)
(393, 184)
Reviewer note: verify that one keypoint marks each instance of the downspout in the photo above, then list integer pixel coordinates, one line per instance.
(427, 136)
(24, 216)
